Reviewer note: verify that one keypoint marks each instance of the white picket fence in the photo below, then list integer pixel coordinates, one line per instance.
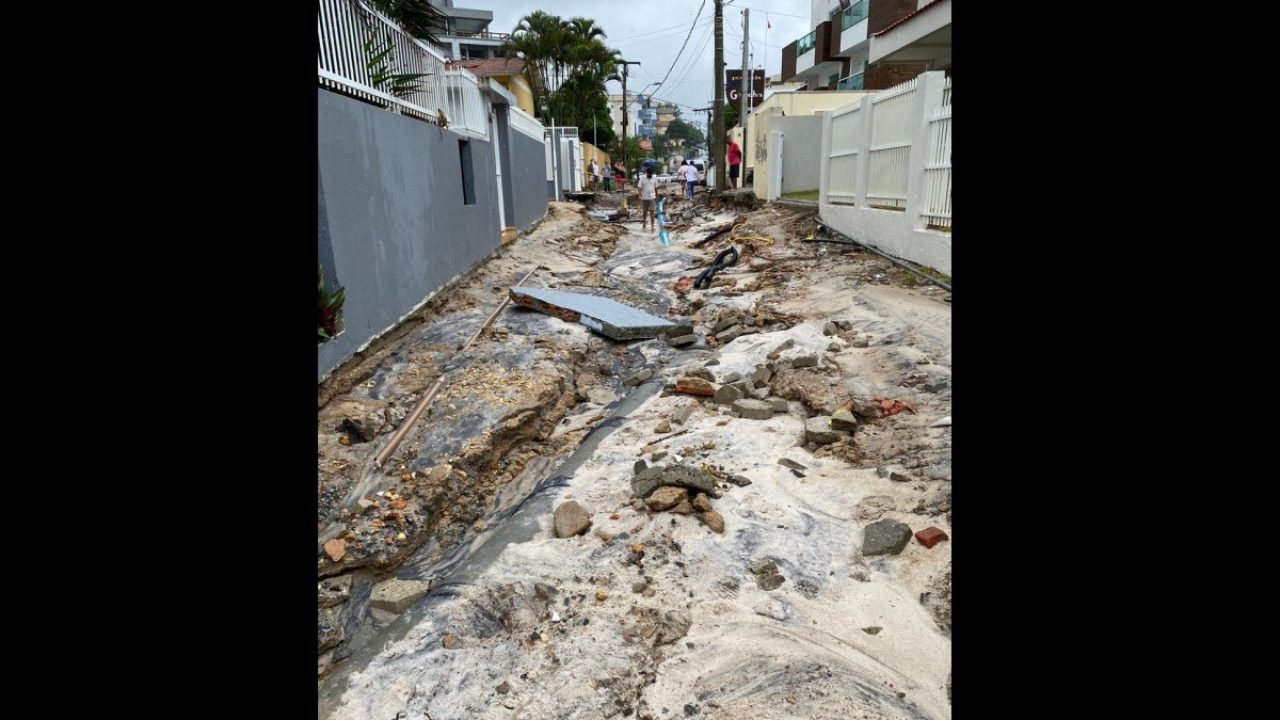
(937, 172)
(887, 174)
(870, 161)
(348, 27)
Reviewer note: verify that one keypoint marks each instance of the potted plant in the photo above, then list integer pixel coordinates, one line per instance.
(330, 323)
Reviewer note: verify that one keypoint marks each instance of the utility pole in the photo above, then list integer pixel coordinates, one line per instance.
(625, 112)
(744, 99)
(708, 110)
(717, 147)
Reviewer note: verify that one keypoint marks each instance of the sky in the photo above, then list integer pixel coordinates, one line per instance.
(654, 31)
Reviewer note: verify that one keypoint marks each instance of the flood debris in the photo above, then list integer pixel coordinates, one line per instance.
(602, 315)
(722, 261)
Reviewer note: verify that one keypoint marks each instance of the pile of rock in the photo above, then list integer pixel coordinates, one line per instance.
(680, 489)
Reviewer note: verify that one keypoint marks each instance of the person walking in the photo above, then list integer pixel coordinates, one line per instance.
(690, 175)
(594, 171)
(735, 159)
(648, 185)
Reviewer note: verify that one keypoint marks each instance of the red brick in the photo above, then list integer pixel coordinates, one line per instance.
(930, 536)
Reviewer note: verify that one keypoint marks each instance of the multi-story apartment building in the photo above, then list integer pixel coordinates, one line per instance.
(869, 44)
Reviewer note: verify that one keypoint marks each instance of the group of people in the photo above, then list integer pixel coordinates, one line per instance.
(619, 176)
(648, 184)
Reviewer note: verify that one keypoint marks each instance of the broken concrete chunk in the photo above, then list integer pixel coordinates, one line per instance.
(779, 405)
(804, 361)
(885, 537)
(788, 462)
(726, 323)
(732, 377)
(834, 347)
(683, 340)
(761, 376)
(663, 426)
(608, 317)
(713, 520)
(683, 508)
(665, 498)
(571, 519)
(728, 394)
(639, 467)
(739, 480)
(830, 329)
(753, 409)
(645, 483)
(732, 334)
(818, 430)
(860, 342)
(639, 377)
(681, 414)
(845, 324)
(396, 595)
(844, 420)
(701, 502)
(695, 386)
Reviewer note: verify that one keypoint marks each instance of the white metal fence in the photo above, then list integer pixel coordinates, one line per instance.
(846, 131)
(895, 112)
(936, 196)
(892, 151)
(351, 33)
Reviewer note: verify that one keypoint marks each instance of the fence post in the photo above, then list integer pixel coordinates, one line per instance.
(862, 167)
(930, 88)
(824, 172)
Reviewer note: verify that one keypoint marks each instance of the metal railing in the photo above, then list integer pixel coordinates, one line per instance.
(846, 134)
(896, 112)
(936, 190)
(350, 32)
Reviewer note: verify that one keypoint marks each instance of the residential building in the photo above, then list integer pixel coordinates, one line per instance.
(508, 72)
(916, 43)
(869, 44)
(466, 34)
(642, 115)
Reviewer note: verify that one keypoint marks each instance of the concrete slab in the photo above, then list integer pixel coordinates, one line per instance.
(610, 318)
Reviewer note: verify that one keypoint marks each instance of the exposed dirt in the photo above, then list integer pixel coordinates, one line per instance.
(651, 614)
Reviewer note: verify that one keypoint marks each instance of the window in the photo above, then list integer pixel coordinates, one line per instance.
(468, 176)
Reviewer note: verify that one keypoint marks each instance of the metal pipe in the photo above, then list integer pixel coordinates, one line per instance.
(877, 251)
(425, 402)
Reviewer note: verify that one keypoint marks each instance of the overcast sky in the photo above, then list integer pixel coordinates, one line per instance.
(653, 31)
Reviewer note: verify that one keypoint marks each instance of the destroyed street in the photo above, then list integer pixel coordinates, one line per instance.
(642, 491)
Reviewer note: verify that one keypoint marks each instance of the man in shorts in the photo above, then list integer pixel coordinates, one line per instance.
(648, 198)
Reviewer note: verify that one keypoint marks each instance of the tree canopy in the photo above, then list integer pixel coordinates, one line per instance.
(568, 66)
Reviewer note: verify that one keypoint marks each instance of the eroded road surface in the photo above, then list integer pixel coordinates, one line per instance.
(751, 553)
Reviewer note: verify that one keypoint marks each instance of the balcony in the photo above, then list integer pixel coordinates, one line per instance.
(853, 82)
(854, 14)
(811, 58)
(853, 28)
